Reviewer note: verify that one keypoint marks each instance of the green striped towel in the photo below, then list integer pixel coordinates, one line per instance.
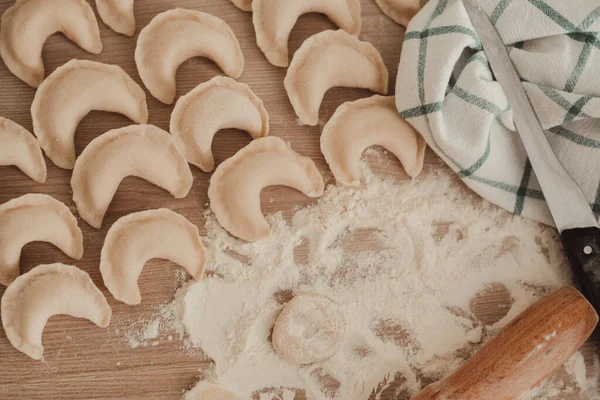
(446, 90)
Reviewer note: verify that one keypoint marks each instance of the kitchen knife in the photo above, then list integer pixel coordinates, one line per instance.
(570, 210)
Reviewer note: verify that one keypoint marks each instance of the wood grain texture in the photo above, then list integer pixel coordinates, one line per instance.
(86, 362)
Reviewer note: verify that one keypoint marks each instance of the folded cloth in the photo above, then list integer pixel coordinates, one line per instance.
(446, 90)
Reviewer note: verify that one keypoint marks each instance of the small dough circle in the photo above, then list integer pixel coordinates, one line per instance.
(309, 329)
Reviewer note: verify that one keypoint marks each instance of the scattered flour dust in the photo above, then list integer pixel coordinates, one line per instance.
(143, 338)
(401, 259)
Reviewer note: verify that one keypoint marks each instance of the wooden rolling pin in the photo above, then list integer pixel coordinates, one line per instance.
(524, 353)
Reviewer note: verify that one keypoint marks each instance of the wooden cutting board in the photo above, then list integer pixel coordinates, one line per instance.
(84, 361)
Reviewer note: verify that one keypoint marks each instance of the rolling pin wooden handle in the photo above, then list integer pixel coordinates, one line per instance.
(525, 352)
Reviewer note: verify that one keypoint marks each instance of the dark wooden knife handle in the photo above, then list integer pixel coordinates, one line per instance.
(582, 246)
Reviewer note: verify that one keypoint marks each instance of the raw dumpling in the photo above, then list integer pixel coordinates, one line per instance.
(357, 125)
(33, 218)
(144, 151)
(274, 20)
(401, 11)
(118, 15)
(235, 187)
(218, 104)
(244, 5)
(26, 25)
(209, 391)
(331, 59)
(67, 96)
(18, 147)
(309, 329)
(177, 35)
(43, 292)
(139, 237)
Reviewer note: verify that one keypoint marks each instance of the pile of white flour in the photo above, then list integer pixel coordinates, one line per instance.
(403, 261)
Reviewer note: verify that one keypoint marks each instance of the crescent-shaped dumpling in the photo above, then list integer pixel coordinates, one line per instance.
(209, 391)
(18, 147)
(177, 35)
(357, 125)
(401, 11)
(274, 20)
(220, 103)
(33, 218)
(144, 151)
(43, 292)
(70, 93)
(26, 25)
(235, 187)
(118, 15)
(331, 59)
(139, 237)
(244, 5)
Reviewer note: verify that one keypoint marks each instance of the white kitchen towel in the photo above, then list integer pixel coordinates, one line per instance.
(446, 90)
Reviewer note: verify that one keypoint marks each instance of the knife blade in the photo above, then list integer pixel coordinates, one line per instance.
(568, 205)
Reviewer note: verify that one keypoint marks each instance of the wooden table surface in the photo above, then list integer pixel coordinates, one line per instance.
(83, 361)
